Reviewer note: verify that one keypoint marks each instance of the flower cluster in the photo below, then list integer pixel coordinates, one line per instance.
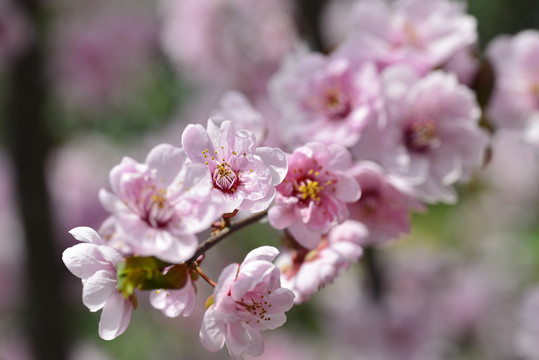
(380, 127)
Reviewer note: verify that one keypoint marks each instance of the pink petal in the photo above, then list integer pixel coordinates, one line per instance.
(168, 161)
(195, 141)
(212, 332)
(275, 160)
(115, 317)
(86, 234)
(265, 253)
(82, 260)
(97, 289)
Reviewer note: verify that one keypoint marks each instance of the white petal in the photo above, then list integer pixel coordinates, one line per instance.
(115, 317)
(97, 289)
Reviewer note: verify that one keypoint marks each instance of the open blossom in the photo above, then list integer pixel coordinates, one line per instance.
(245, 176)
(423, 34)
(159, 205)
(432, 135)
(385, 203)
(305, 272)
(234, 106)
(515, 98)
(313, 196)
(95, 263)
(325, 99)
(174, 303)
(248, 298)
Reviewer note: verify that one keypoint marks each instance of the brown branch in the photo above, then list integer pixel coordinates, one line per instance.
(229, 230)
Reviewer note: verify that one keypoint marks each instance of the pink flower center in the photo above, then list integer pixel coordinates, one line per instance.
(420, 136)
(257, 305)
(310, 186)
(336, 104)
(225, 178)
(154, 208)
(369, 202)
(225, 172)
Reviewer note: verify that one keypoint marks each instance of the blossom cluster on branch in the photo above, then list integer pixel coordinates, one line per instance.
(384, 125)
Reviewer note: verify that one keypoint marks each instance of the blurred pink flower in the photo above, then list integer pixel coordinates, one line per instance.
(313, 196)
(248, 298)
(325, 99)
(423, 34)
(97, 58)
(385, 203)
(244, 175)
(234, 106)
(95, 263)
(515, 98)
(232, 44)
(305, 272)
(433, 138)
(174, 303)
(159, 205)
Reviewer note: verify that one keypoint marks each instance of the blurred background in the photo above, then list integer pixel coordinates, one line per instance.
(84, 83)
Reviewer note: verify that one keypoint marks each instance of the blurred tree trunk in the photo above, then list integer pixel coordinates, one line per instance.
(308, 22)
(29, 143)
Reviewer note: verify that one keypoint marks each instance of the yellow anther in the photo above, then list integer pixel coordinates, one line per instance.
(310, 190)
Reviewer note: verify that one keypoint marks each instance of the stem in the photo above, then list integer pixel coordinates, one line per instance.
(375, 281)
(229, 230)
(204, 276)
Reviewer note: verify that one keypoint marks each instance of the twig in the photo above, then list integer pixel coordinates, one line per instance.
(230, 229)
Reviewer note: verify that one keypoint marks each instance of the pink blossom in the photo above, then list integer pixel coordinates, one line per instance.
(313, 196)
(432, 135)
(465, 64)
(174, 303)
(232, 44)
(245, 176)
(385, 203)
(97, 56)
(305, 272)
(421, 33)
(325, 99)
(248, 298)
(515, 98)
(234, 106)
(159, 205)
(95, 263)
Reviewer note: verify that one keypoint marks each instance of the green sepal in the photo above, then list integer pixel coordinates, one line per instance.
(146, 273)
(210, 301)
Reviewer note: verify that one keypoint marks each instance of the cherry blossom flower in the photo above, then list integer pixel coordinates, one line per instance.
(385, 203)
(248, 298)
(515, 99)
(325, 99)
(95, 263)
(158, 206)
(243, 174)
(305, 272)
(234, 106)
(232, 44)
(174, 303)
(313, 196)
(432, 135)
(421, 33)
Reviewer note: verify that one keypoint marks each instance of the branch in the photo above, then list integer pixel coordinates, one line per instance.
(229, 230)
